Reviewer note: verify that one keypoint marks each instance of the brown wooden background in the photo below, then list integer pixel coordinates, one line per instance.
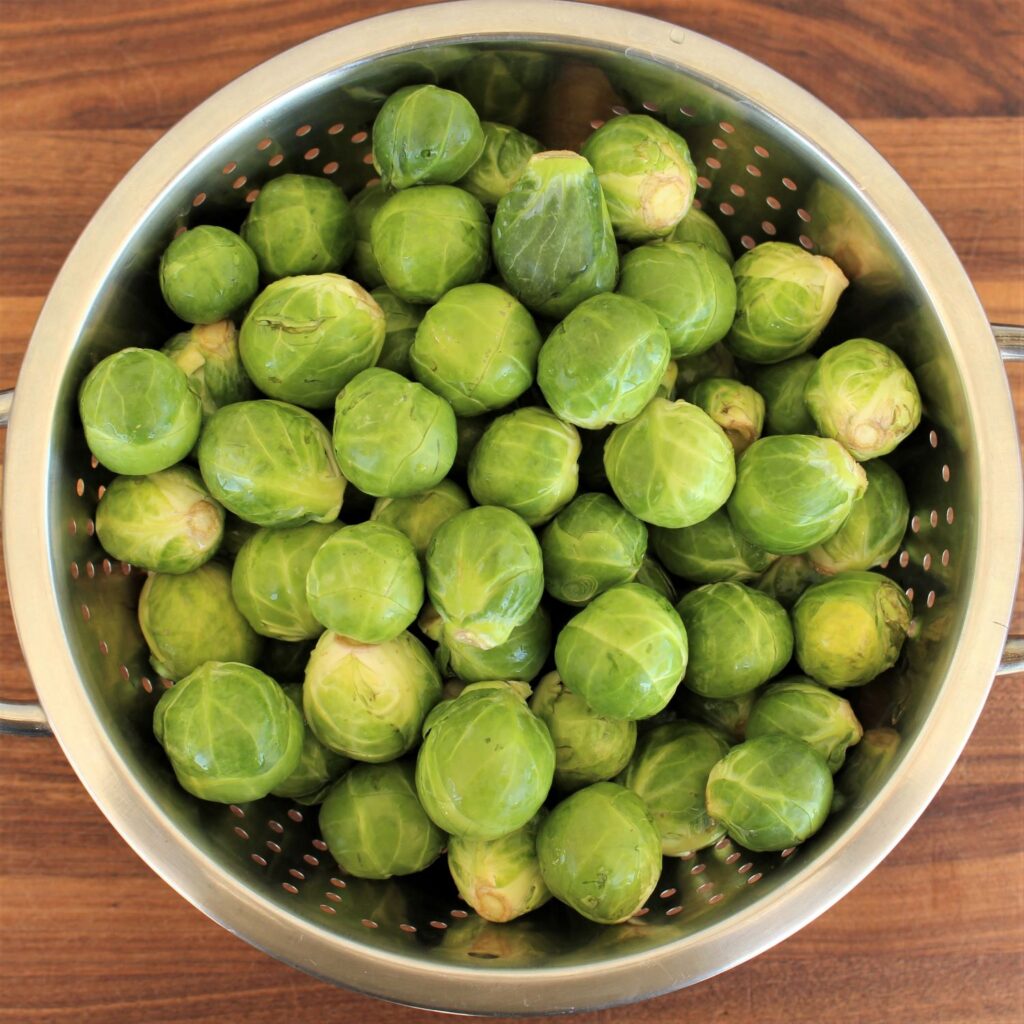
(89, 934)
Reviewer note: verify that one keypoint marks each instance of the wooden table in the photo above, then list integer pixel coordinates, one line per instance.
(89, 934)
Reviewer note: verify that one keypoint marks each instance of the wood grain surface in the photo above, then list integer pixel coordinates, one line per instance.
(89, 934)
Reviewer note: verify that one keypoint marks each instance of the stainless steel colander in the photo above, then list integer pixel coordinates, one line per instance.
(774, 163)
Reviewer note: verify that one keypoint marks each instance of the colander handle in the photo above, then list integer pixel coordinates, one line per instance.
(17, 716)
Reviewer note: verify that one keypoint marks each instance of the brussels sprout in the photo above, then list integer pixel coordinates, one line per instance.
(690, 289)
(717, 361)
(604, 362)
(874, 529)
(299, 224)
(625, 653)
(552, 237)
(477, 348)
(484, 575)
(861, 394)
(374, 825)
(166, 522)
(735, 407)
(208, 356)
(698, 227)
(770, 793)
(526, 461)
(305, 338)
(794, 491)
(520, 657)
(646, 174)
(503, 85)
(727, 714)
(781, 385)
(588, 747)
(865, 767)
(800, 708)
(429, 240)
(256, 745)
(318, 767)
(139, 414)
(191, 618)
(739, 638)
(365, 206)
(787, 578)
(784, 298)
(669, 772)
(419, 516)
(710, 551)
(369, 701)
(600, 853)
(271, 463)
(850, 628)
(236, 533)
(592, 545)
(285, 660)
(268, 580)
(392, 437)
(401, 319)
(499, 878)
(505, 155)
(667, 385)
(424, 135)
(468, 433)
(653, 575)
(672, 465)
(486, 763)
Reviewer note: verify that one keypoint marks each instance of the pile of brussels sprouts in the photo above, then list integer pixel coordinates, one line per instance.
(603, 566)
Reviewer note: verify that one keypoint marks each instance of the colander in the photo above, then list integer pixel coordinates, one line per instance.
(774, 163)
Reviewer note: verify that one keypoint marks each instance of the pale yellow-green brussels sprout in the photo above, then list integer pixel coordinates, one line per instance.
(318, 767)
(698, 227)
(420, 516)
(710, 551)
(365, 206)
(735, 407)
(401, 319)
(520, 658)
(208, 356)
(781, 385)
(505, 154)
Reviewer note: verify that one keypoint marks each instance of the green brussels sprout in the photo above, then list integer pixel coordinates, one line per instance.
(716, 361)
(271, 463)
(139, 414)
(770, 793)
(653, 575)
(787, 578)
(698, 227)
(365, 583)
(207, 273)
(468, 432)
(794, 491)
(519, 658)
(419, 516)
(850, 628)
(669, 772)
(604, 362)
(646, 174)
(401, 319)
(505, 154)
(784, 298)
(318, 767)
(430, 240)
(208, 356)
(369, 701)
(690, 289)
(781, 385)
(374, 824)
(165, 522)
(191, 618)
(484, 575)
(625, 653)
(305, 338)
(739, 638)
(710, 551)
(588, 747)
(862, 395)
(268, 580)
(255, 746)
(392, 437)
(874, 529)
(486, 763)
(600, 853)
(735, 407)
(477, 348)
(503, 85)
(672, 465)
(424, 135)
(865, 767)
(499, 878)
(552, 237)
(725, 714)
(592, 544)
(528, 461)
(285, 660)
(667, 385)
(798, 707)
(299, 224)
(236, 533)
(365, 206)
